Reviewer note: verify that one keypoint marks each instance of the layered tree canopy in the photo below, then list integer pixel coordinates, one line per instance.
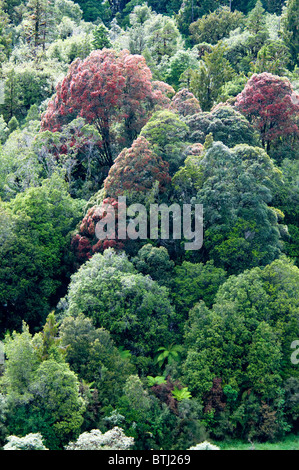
(149, 237)
(131, 306)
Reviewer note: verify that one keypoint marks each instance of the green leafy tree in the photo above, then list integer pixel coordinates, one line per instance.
(273, 6)
(191, 10)
(150, 423)
(258, 31)
(265, 360)
(5, 33)
(101, 37)
(236, 231)
(245, 339)
(22, 363)
(155, 262)
(186, 181)
(215, 26)
(58, 407)
(93, 356)
(33, 113)
(137, 32)
(34, 260)
(37, 84)
(225, 123)
(13, 99)
(232, 88)
(93, 10)
(291, 29)
(194, 282)
(67, 9)
(273, 57)
(163, 37)
(4, 131)
(13, 124)
(168, 354)
(76, 150)
(20, 167)
(243, 46)
(213, 72)
(165, 6)
(50, 343)
(48, 389)
(256, 21)
(39, 22)
(287, 200)
(182, 61)
(291, 387)
(142, 315)
(275, 304)
(166, 132)
(244, 5)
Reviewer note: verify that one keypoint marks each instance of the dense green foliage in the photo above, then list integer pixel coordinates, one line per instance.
(137, 342)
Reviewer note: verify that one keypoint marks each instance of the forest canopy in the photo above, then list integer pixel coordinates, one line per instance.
(135, 342)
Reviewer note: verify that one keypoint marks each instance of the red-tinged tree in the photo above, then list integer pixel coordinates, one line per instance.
(85, 243)
(270, 104)
(163, 92)
(214, 399)
(136, 170)
(185, 103)
(106, 88)
(164, 393)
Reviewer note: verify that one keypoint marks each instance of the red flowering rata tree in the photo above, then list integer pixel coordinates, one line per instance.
(185, 103)
(85, 243)
(270, 104)
(106, 88)
(135, 170)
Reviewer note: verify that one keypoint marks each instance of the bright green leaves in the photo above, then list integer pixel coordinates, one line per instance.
(168, 354)
(48, 388)
(133, 307)
(245, 338)
(33, 258)
(214, 71)
(181, 394)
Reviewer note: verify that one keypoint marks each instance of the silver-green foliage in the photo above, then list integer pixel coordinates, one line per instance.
(114, 439)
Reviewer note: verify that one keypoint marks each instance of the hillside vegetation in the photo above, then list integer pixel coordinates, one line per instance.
(149, 341)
